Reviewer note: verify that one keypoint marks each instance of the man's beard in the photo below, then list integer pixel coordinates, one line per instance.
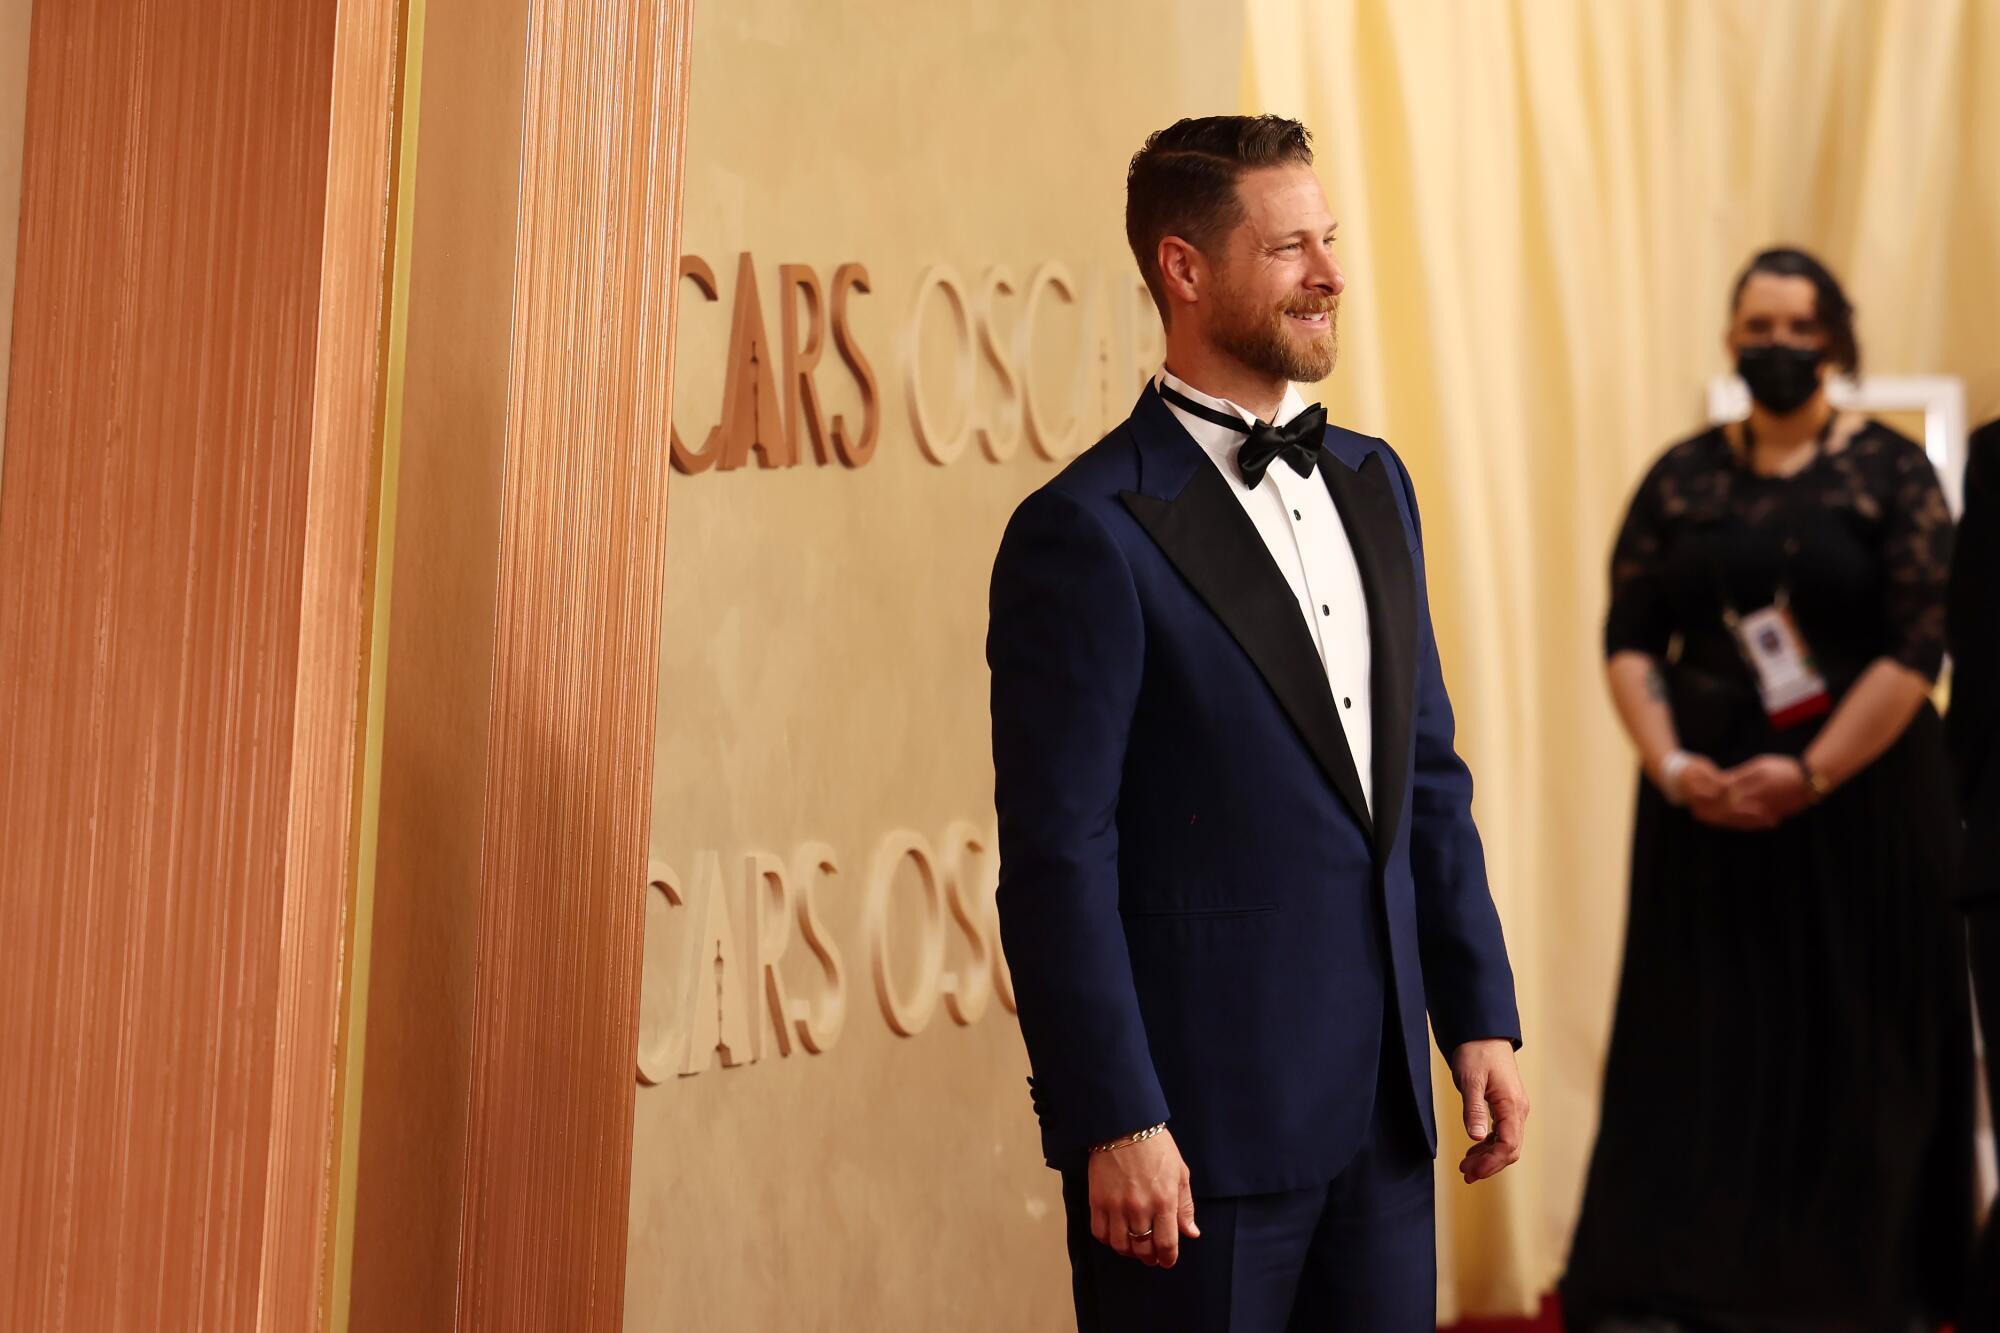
(1267, 343)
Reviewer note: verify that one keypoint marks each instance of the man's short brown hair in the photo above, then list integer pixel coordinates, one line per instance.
(1183, 182)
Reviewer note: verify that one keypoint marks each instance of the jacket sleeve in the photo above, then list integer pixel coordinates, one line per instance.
(1065, 642)
(1468, 982)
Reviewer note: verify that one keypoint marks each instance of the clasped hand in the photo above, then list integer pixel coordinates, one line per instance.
(1758, 793)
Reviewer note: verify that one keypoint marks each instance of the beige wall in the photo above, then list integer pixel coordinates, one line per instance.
(13, 105)
(822, 674)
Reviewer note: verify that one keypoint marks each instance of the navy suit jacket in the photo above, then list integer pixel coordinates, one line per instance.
(1204, 920)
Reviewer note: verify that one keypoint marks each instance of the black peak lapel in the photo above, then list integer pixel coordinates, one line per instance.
(1366, 499)
(1205, 533)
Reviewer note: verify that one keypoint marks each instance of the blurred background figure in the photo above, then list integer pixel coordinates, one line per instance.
(1973, 730)
(1785, 1137)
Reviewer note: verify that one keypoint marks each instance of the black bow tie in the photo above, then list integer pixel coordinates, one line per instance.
(1298, 441)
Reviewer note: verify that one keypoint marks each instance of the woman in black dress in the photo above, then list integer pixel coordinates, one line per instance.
(1786, 1131)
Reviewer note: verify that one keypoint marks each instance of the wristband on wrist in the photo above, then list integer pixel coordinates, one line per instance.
(1131, 1139)
(1671, 769)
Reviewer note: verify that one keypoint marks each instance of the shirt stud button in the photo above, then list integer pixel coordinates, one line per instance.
(1325, 610)
(1347, 703)
(1296, 514)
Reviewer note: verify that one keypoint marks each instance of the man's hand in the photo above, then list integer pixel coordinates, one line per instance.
(1139, 1200)
(1496, 1106)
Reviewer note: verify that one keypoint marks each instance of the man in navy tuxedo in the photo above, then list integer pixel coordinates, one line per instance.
(1238, 863)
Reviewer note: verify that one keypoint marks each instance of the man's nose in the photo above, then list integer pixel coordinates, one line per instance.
(1327, 276)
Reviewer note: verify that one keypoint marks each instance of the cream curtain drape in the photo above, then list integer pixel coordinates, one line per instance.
(1542, 203)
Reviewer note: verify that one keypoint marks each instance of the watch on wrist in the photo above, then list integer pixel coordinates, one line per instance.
(1817, 787)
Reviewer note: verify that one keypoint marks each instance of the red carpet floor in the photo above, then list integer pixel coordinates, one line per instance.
(1549, 1320)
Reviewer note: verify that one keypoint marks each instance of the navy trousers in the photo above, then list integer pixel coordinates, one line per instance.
(1359, 1252)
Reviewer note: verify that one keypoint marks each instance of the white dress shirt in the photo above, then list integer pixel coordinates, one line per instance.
(1302, 530)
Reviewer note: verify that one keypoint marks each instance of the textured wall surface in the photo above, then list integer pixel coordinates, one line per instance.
(182, 541)
(13, 128)
(517, 735)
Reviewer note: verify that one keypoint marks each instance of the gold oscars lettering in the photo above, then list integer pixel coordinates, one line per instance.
(770, 403)
(734, 920)
(772, 408)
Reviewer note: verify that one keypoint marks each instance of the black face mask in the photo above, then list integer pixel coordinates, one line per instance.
(1781, 378)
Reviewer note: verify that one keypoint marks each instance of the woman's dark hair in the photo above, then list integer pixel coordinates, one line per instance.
(1830, 304)
(1183, 182)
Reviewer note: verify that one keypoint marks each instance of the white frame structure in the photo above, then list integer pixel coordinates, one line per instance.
(1941, 398)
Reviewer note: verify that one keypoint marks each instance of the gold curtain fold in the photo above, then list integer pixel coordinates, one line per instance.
(1542, 203)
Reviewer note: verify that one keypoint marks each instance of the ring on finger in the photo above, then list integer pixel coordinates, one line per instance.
(1147, 1234)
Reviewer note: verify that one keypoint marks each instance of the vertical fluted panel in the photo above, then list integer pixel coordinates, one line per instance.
(173, 703)
(335, 614)
(575, 644)
(13, 104)
(462, 192)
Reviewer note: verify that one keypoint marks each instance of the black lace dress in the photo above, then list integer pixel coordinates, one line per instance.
(1787, 1119)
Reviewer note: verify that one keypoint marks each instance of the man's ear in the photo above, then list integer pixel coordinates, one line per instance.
(1183, 271)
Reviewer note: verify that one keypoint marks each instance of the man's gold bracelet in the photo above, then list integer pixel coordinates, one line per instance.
(1131, 1139)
